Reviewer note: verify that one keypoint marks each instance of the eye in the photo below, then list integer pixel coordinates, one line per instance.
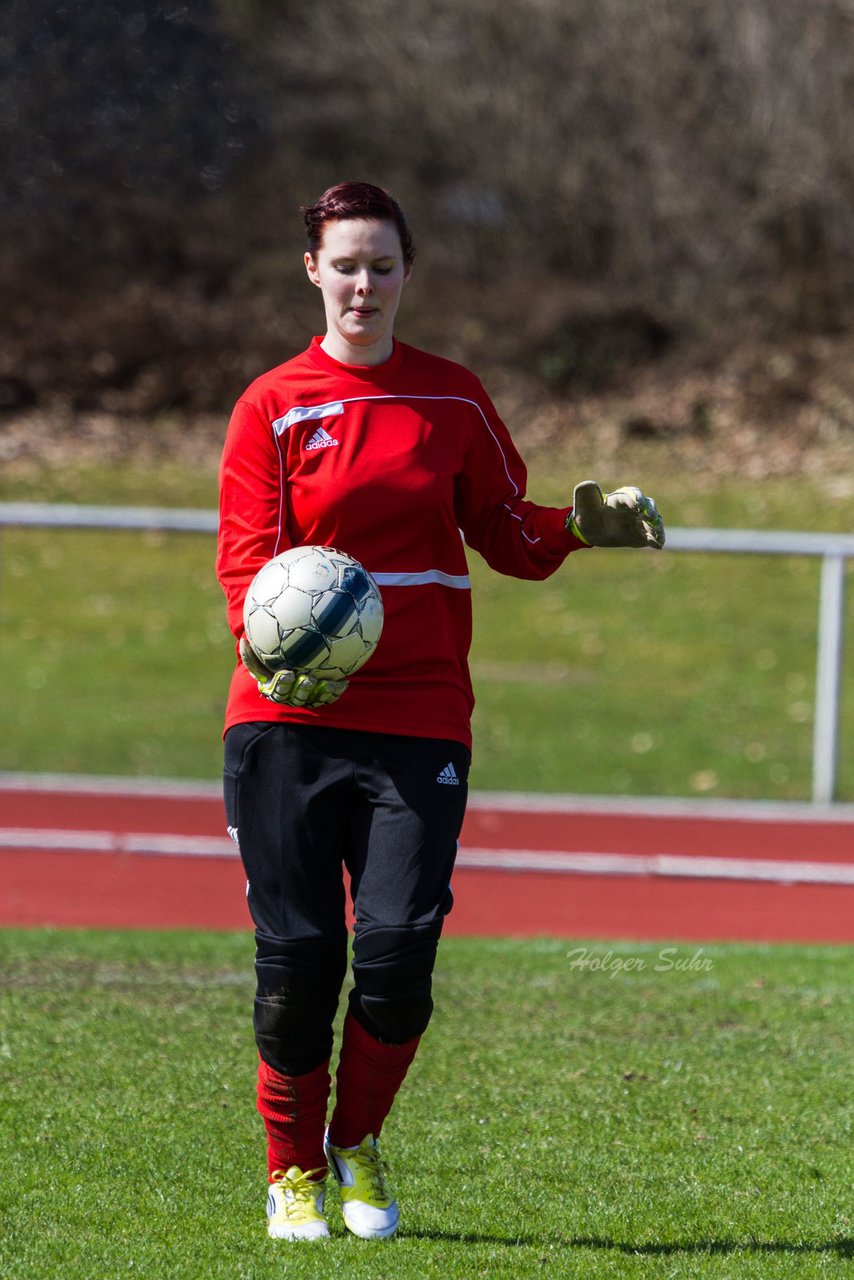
(383, 271)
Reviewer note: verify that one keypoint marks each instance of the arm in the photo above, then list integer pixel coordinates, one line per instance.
(514, 536)
(251, 507)
(251, 531)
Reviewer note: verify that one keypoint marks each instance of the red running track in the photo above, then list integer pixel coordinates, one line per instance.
(89, 854)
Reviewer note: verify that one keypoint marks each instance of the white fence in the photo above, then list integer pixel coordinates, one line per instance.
(833, 548)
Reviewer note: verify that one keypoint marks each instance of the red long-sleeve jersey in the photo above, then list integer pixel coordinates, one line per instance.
(395, 464)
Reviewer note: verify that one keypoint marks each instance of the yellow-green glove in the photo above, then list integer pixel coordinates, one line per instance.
(624, 518)
(292, 688)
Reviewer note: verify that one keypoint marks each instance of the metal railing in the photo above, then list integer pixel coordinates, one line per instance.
(833, 549)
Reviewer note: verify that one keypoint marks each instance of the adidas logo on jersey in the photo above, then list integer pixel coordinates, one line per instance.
(320, 440)
(449, 776)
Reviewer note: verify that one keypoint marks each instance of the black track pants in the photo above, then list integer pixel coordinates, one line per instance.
(306, 801)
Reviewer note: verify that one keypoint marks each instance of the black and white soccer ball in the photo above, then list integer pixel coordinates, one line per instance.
(314, 609)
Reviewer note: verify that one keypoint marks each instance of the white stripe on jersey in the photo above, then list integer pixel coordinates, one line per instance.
(459, 581)
(302, 413)
(306, 413)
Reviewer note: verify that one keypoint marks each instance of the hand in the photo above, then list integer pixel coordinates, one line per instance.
(624, 518)
(291, 688)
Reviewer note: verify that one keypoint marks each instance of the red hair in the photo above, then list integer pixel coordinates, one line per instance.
(356, 200)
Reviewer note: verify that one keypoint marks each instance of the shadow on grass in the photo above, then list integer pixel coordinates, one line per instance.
(843, 1248)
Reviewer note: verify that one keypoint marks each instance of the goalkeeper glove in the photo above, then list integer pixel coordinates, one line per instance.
(624, 518)
(292, 688)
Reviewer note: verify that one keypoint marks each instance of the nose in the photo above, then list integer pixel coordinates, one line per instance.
(363, 283)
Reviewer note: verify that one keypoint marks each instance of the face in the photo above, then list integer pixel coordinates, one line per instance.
(360, 271)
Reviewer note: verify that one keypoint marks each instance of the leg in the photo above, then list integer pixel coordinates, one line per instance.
(402, 857)
(287, 800)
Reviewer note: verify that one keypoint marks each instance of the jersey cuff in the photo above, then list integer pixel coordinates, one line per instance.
(556, 538)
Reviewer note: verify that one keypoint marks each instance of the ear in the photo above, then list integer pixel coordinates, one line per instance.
(407, 272)
(311, 268)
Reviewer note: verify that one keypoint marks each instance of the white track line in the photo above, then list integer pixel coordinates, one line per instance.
(505, 801)
(664, 865)
(667, 865)
(662, 807)
(149, 844)
(94, 785)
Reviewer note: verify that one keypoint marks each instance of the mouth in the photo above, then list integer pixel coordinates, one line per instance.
(363, 313)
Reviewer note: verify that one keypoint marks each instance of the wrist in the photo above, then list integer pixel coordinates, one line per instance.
(572, 527)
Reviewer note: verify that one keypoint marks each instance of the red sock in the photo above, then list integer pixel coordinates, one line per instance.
(368, 1078)
(294, 1113)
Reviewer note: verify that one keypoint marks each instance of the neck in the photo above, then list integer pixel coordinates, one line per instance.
(345, 352)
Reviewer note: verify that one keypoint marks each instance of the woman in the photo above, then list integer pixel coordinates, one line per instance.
(371, 446)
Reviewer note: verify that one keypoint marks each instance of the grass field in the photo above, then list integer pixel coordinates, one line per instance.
(622, 1111)
(624, 673)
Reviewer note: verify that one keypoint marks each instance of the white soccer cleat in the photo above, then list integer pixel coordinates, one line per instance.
(295, 1206)
(368, 1209)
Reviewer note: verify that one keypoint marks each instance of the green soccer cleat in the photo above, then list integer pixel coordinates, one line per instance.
(368, 1209)
(295, 1206)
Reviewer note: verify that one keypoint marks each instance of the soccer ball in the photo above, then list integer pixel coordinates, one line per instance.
(313, 609)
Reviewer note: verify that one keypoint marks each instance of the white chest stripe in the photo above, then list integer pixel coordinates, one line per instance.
(306, 413)
(459, 581)
(302, 413)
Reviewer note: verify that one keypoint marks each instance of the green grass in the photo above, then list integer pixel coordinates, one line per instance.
(121, 649)
(624, 673)
(560, 1120)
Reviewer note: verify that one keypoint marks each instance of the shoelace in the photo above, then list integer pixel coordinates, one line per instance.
(368, 1159)
(303, 1189)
